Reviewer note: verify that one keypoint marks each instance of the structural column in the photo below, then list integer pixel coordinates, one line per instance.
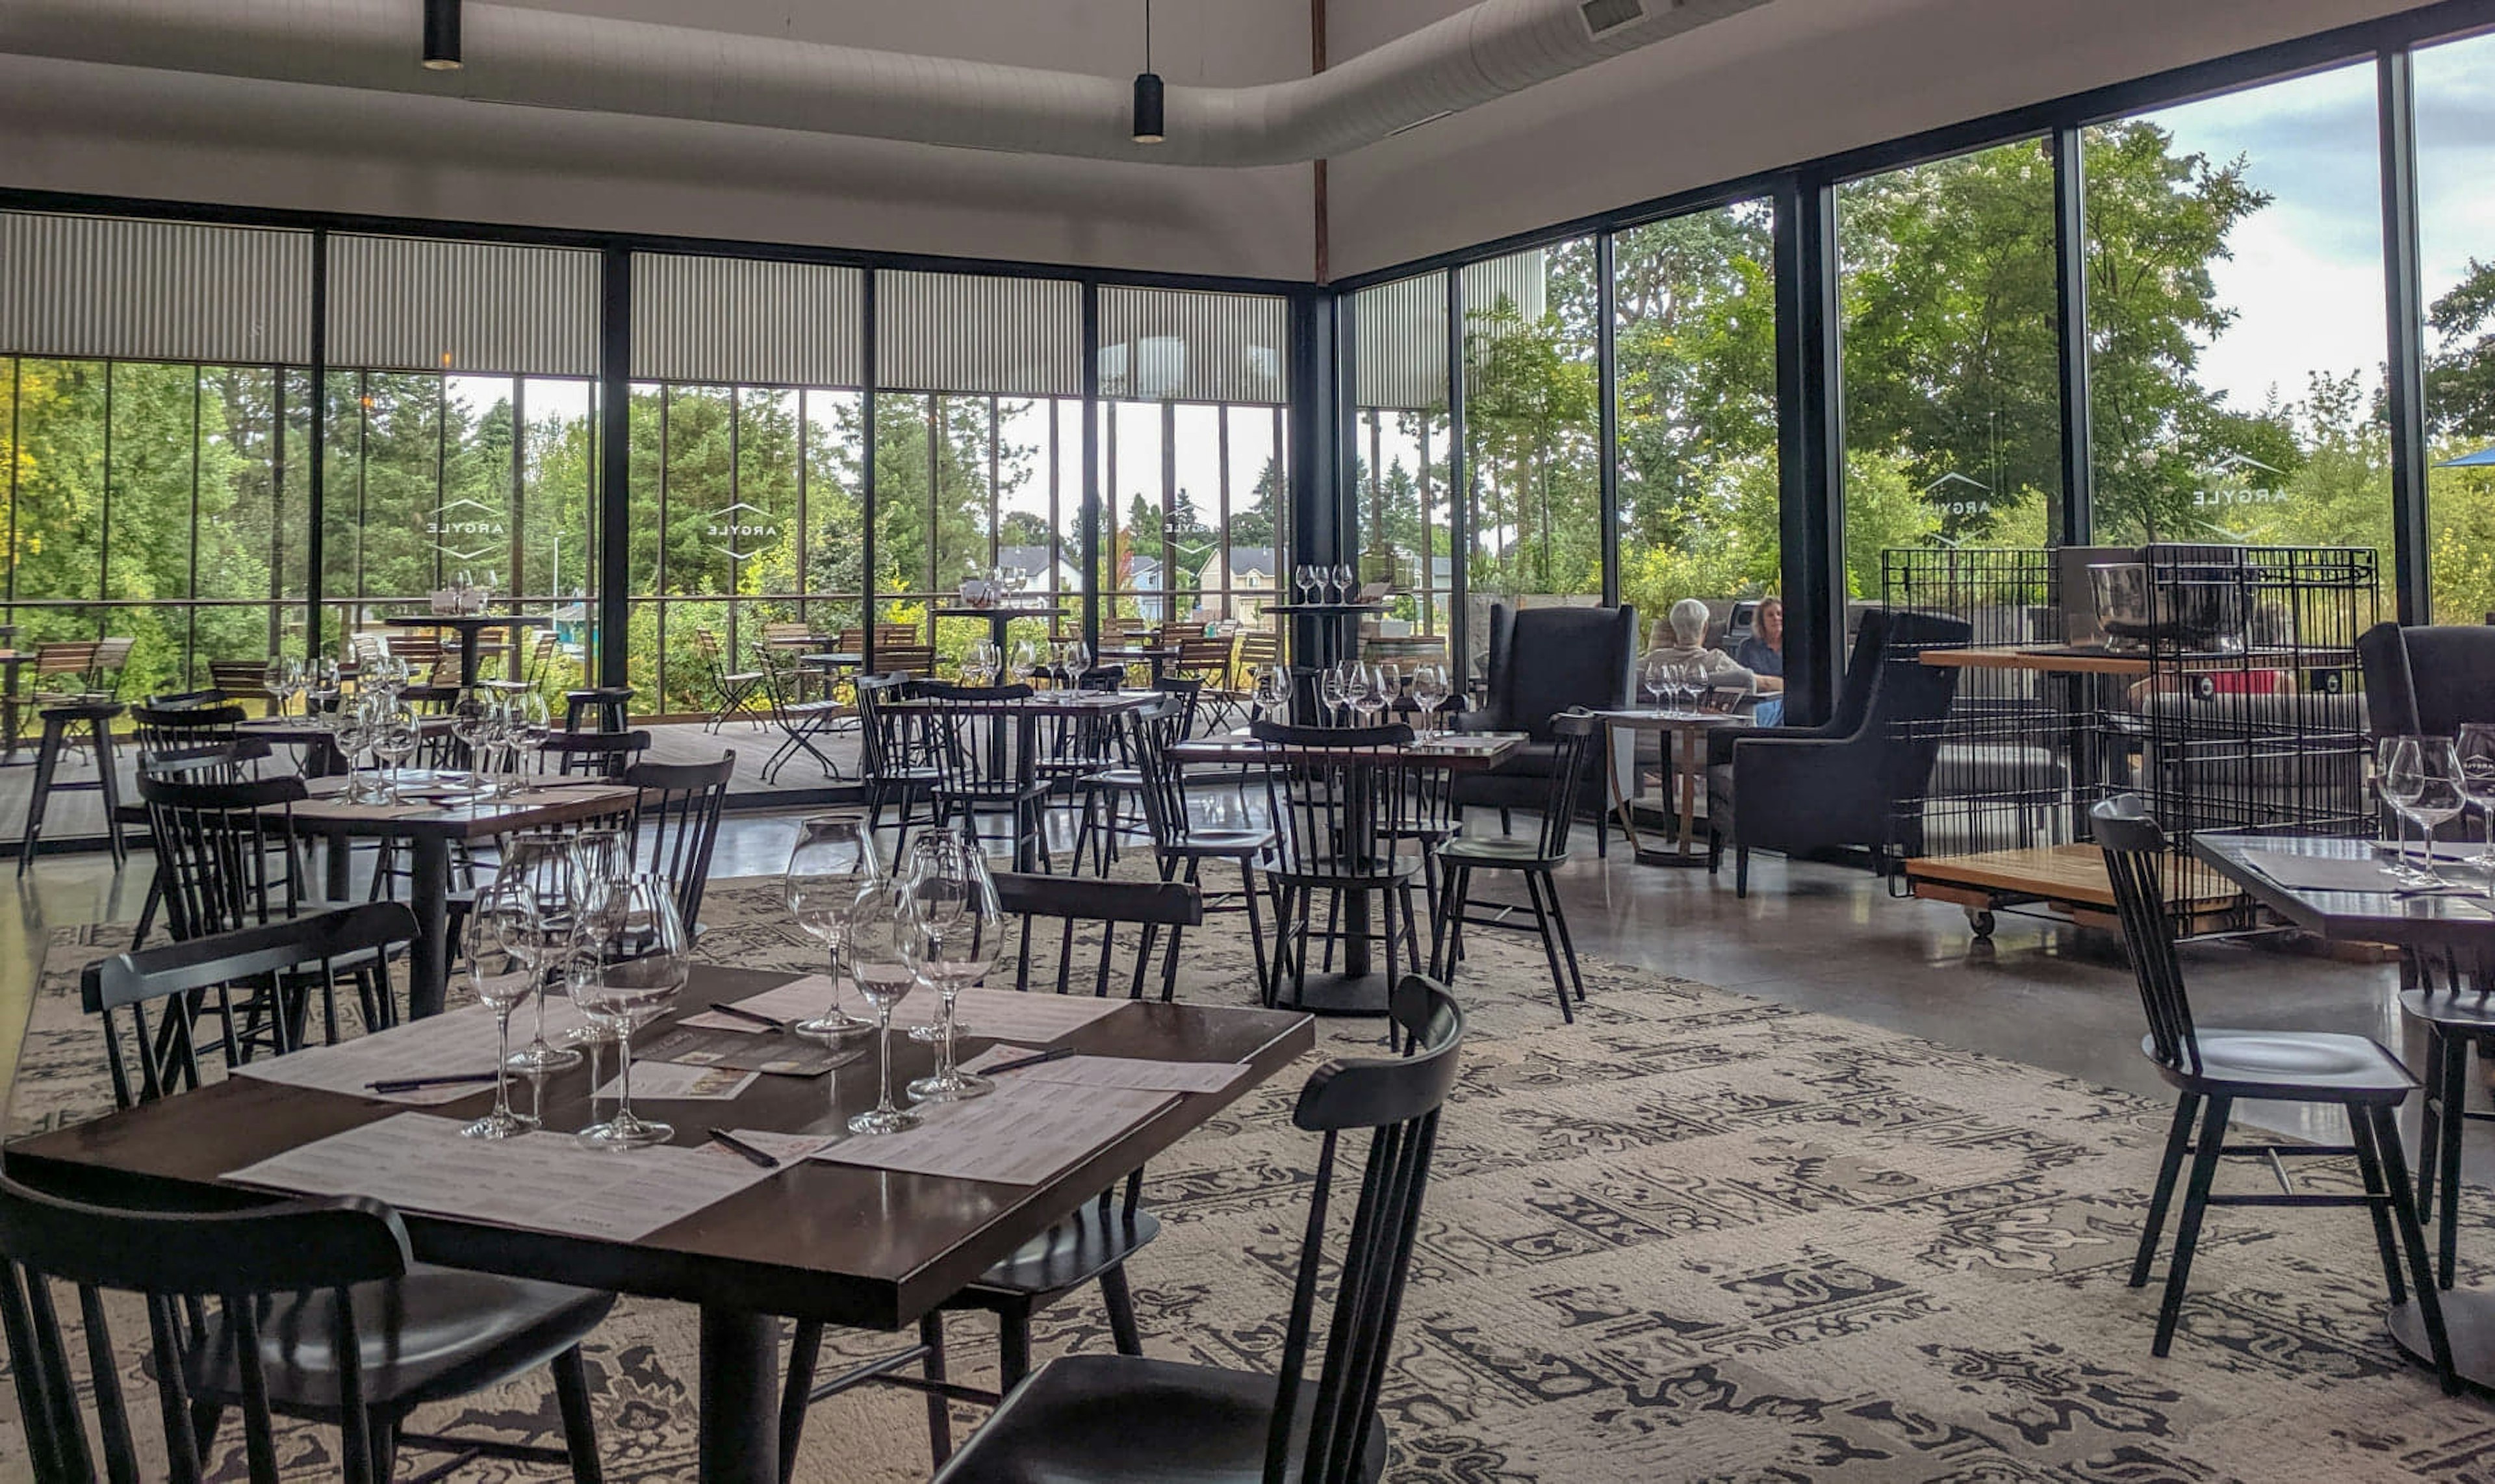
(2404, 387)
(1810, 446)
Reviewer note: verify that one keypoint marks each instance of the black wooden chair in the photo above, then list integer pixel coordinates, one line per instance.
(1543, 661)
(735, 689)
(2218, 1067)
(1335, 801)
(1127, 1419)
(288, 1305)
(895, 764)
(1532, 860)
(1090, 1246)
(1105, 791)
(675, 824)
(591, 753)
(987, 754)
(1180, 845)
(2452, 997)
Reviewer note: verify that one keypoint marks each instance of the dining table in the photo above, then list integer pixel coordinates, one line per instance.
(467, 627)
(999, 616)
(2337, 889)
(429, 830)
(844, 1244)
(1684, 766)
(1361, 988)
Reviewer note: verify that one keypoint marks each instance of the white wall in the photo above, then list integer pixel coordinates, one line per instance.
(128, 131)
(1789, 81)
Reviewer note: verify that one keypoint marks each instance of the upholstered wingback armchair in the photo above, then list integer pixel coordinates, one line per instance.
(1543, 661)
(2427, 681)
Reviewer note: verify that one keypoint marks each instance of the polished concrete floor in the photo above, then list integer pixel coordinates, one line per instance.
(1816, 937)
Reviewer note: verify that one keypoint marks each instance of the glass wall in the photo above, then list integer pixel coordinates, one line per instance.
(2235, 318)
(1694, 331)
(1952, 373)
(1403, 447)
(1532, 429)
(2456, 138)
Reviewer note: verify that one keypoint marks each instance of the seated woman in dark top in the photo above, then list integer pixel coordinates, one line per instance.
(1763, 654)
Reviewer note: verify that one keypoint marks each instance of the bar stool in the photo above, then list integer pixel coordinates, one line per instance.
(58, 720)
(609, 701)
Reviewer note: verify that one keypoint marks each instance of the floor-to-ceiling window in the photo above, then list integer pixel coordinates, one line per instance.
(1533, 431)
(1952, 379)
(154, 424)
(1402, 447)
(2235, 318)
(2455, 140)
(1694, 335)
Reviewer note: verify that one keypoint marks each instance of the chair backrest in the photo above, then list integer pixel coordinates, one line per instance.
(226, 852)
(72, 656)
(2136, 858)
(178, 979)
(1544, 661)
(1398, 1100)
(903, 658)
(675, 822)
(1577, 744)
(1147, 908)
(239, 677)
(976, 738)
(2427, 681)
(706, 644)
(1336, 799)
(112, 655)
(175, 1259)
(161, 729)
(888, 739)
(593, 754)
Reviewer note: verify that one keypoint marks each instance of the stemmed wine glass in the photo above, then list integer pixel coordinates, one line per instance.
(2474, 748)
(347, 734)
(639, 916)
(283, 680)
(501, 925)
(835, 859)
(1347, 581)
(547, 868)
(1305, 578)
(981, 663)
(1367, 692)
(472, 723)
(936, 857)
(1333, 689)
(392, 739)
(1272, 693)
(1073, 662)
(1026, 662)
(956, 929)
(879, 923)
(2423, 784)
(1430, 693)
(528, 724)
(2399, 789)
(1654, 673)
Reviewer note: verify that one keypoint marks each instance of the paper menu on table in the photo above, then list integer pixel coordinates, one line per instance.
(1129, 1073)
(448, 1044)
(797, 1000)
(419, 1161)
(670, 1082)
(1025, 1133)
(1004, 1014)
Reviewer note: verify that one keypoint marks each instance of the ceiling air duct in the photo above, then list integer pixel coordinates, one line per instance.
(554, 60)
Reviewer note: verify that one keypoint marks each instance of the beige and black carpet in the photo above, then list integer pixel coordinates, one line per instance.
(1695, 1236)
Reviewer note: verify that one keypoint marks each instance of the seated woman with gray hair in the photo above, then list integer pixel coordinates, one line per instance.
(1681, 639)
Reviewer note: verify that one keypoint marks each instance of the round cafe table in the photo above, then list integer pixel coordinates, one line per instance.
(468, 625)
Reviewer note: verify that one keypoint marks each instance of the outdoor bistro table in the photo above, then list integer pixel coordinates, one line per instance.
(999, 616)
(468, 625)
(836, 1243)
(1684, 766)
(429, 832)
(1361, 989)
(2416, 924)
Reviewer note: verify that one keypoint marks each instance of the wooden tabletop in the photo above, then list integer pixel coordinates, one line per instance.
(1000, 610)
(2048, 659)
(1042, 703)
(1336, 608)
(1485, 751)
(2440, 920)
(327, 812)
(1635, 719)
(839, 1243)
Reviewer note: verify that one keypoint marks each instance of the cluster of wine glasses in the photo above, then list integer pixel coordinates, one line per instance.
(1672, 684)
(934, 922)
(374, 723)
(982, 663)
(571, 914)
(496, 730)
(284, 679)
(1357, 692)
(2429, 782)
(1072, 660)
(1316, 578)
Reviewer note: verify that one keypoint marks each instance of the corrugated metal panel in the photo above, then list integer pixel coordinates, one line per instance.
(414, 304)
(1183, 345)
(154, 290)
(957, 332)
(1399, 341)
(735, 319)
(1520, 279)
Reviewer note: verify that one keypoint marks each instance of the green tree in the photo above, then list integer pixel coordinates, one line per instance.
(2460, 375)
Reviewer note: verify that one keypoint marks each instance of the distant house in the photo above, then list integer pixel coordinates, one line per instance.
(1034, 560)
(1247, 572)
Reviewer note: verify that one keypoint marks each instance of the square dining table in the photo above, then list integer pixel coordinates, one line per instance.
(428, 832)
(841, 1244)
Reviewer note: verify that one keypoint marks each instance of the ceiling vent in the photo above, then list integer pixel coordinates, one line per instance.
(1603, 15)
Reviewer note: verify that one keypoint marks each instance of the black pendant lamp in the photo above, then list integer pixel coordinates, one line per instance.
(1148, 90)
(441, 35)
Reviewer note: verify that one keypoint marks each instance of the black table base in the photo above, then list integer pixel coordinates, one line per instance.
(2468, 1320)
(1339, 994)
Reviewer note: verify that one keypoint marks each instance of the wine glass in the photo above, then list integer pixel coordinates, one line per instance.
(981, 663)
(2400, 788)
(1026, 662)
(1347, 581)
(1330, 691)
(1073, 662)
(392, 739)
(529, 723)
(1305, 578)
(1654, 672)
(879, 923)
(649, 967)
(956, 928)
(499, 929)
(2424, 785)
(937, 856)
(1272, 693)
(2474, 748)
(547, 868)
(1367, 692)
(348, 735)
(834, 860)
(471, 723)
(1429, 693)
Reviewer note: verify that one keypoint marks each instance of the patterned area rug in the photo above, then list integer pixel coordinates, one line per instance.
(1695, 1236)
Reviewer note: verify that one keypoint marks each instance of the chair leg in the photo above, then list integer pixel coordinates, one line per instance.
(2369, 1164)
(2456, 1121)
(1549, 945)
(382, 1434)
(2438, 1086)
(1247, 898)
(109, 777)
(1568, 944)
(1741, 870)
(579, 1430)
(1013, 1348)
(2178, 1140)
(2429, 1300)
(2187, 1235)
(796, 1394)
(1115, 1298)
(939, 1411)
(48, 761)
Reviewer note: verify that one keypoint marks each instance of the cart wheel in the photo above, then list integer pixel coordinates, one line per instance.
(1981, 921)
